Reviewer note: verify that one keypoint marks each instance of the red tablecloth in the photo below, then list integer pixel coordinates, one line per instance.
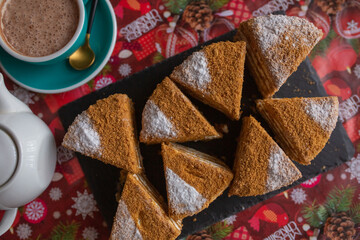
(147, 33)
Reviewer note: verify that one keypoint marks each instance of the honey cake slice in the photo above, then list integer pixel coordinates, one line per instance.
(302, 125)
(276, 45)
(193, 179)
(169, 116)
(106, 131)
(214, 75)
(260, 165)
(141, 213)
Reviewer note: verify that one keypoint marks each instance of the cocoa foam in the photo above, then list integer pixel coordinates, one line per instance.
(38, 28)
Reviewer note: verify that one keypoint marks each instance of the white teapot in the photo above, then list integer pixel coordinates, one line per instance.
(27, 156)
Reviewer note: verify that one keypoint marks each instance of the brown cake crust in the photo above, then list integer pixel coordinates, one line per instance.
(297, 133)
(114, 120)
(260, 165)
(225, 62)
(147, 212)
(276, 46)
(207, 174)
(251, 158)
(189, 123)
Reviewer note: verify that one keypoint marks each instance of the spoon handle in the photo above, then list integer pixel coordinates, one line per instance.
(92, 14)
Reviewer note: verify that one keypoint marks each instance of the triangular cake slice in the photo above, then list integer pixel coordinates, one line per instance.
(302, 125)
(260, 165)
(214, 75)
(169, 116)
(106, 131)
(141, 213)
(193, 179)
(276, 45)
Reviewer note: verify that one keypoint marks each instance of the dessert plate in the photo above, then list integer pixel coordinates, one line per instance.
(103, 178)
(60, 77)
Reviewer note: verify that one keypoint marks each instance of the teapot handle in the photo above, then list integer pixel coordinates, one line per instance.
(7, 220)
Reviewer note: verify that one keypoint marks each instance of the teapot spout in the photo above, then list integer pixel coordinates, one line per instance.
(8, 102)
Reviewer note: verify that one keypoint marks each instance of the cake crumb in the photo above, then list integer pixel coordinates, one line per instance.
(222, 127)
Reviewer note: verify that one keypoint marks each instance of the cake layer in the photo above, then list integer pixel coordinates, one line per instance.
(260, 165)
(106, 131)
(214, 75)
(140, 214)
(261, 72)
(169, 116)
(277, 46)
(193, 179)
(302, 125)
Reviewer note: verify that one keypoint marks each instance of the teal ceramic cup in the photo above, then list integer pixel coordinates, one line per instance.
(76, 41)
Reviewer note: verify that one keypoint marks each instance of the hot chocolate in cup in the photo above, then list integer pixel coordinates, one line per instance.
(42, 31)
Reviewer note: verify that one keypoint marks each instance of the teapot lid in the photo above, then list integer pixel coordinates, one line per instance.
(8, 157)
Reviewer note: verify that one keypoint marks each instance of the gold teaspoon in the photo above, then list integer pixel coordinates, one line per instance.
(84, 56)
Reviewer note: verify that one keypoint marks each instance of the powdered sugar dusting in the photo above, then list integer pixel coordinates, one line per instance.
(183, 198)
(324, 111)
(270, 31)
(281, 172)
(155, 123)
(124, 226)
(82, 136)
(194, 71)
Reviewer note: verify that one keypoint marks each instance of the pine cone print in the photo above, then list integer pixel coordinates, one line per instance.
(198, 15)
(330, 6)
(339, 227)
(202, 235)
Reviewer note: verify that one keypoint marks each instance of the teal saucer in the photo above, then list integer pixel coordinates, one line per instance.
(60, 77)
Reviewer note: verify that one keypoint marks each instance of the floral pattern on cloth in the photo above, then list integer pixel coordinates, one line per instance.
(150, 31)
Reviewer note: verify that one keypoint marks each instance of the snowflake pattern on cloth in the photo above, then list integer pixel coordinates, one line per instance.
(55, 194)
(298, 195)
(125, 69)
(64, 154)
(84, 204)
(23, 95)
(230, 220)
(23, 231)
(357, 71)
(35, 211)
(103, 82)
(90, 233)
(354, 168)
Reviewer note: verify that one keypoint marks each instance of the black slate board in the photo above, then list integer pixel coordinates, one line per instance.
(103, 178)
